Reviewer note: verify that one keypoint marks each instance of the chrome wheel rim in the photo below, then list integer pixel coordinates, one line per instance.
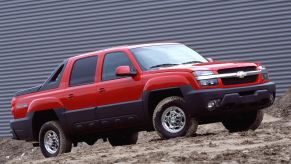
(173, 119)
(51, 142)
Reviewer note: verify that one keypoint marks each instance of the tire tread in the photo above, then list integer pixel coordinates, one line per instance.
(65, 141)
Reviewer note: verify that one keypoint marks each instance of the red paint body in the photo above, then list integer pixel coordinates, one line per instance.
(119, 90)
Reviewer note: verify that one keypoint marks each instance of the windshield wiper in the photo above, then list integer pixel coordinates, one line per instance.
(163, 65)
(190, 62)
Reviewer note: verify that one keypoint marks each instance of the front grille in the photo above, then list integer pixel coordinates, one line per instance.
(236, 80)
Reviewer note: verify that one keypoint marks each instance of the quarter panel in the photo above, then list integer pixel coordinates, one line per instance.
(44, 104)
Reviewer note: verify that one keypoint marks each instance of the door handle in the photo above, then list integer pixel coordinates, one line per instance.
(70, 96)
(101, 90)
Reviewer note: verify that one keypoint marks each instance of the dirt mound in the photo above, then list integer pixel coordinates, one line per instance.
(271, 143)
(13, 149)
(282, 106)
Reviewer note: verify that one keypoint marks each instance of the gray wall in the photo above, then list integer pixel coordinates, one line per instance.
(35, 36)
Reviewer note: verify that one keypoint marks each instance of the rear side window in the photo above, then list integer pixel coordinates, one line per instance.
(83, 71)
(111, 62)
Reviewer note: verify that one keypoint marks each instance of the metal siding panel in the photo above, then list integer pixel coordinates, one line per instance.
(35, 36)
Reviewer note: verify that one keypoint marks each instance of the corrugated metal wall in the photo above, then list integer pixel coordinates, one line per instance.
(35, 36)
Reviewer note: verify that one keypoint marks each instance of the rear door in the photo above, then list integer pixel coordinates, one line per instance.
(80, 97)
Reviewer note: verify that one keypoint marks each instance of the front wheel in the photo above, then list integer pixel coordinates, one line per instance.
(170, 119)
(53, 141)
(244, 121)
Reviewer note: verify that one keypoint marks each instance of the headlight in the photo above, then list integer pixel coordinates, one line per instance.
(203, 73)
(208, 82)
(265, 74)
(261, 67)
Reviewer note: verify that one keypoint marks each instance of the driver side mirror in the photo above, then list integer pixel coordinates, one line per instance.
(210, 59)
(124, 71)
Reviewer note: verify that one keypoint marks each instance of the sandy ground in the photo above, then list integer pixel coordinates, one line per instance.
(271, 143)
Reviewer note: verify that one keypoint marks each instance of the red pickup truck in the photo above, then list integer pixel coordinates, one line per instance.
(114, 93)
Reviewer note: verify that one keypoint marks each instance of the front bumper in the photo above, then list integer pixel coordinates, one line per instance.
(231, 100)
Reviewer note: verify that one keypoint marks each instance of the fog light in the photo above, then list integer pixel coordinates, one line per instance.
(213, 104)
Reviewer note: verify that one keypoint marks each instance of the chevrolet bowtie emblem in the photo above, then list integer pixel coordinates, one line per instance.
(241, 74)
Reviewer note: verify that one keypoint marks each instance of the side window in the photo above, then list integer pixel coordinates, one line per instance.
(111, 62)
(83, 71)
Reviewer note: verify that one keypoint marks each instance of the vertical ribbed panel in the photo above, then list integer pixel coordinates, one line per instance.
(35, 36)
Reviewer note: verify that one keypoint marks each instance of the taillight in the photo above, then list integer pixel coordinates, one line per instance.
(13, 102)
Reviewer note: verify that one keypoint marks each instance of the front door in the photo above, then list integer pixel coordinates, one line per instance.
(121, 96)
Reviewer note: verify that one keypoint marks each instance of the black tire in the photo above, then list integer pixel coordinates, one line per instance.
(177, 103)
(192, 128)
(129, 138)
(53, 127)
(244, 122)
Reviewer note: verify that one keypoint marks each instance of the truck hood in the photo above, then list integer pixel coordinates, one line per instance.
(213, 66)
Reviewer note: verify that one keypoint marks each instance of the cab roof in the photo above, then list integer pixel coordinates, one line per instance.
(142, 45)
(121, 47)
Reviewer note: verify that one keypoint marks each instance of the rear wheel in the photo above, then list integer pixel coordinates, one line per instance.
(53, 141)
(244, 121)
(128, 138)
(170, 119)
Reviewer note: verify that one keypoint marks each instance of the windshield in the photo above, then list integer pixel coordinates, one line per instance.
(153, 57)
